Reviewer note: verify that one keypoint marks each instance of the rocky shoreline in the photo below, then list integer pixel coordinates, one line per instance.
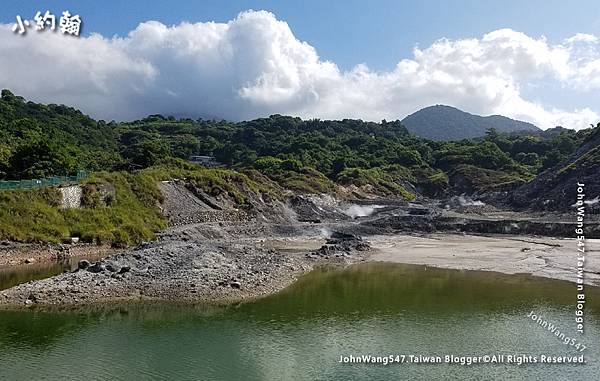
(220, 259)
(191, 270)
(15, 254)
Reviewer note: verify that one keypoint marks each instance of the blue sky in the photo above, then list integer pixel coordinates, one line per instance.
(379, 34)
(347, 32)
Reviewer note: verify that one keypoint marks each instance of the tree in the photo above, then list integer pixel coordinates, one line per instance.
(552, 158)
(530, 158)
(40, 158)
(183, 146)
(488, 155)
(144, 148)
(407, 157)
(492, 134)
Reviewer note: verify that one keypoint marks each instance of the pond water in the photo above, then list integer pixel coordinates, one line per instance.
(12, 275)
(300, 333)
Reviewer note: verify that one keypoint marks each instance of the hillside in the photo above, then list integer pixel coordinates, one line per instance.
(280, 156)
(39, 140)
(448, 123)
(556, 188)
(120, 208)
(307, 156)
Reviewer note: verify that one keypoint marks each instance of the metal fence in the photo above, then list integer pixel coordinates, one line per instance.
(43, 183)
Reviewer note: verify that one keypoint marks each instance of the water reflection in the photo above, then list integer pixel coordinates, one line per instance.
(375, 288)
(37, 329)
(299, 333)
(14, 275)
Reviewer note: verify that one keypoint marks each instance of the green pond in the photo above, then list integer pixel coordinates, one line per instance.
(13, 275)
(299, 334)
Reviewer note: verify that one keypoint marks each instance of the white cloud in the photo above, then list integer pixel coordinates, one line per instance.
(582, 37)
(254, 66)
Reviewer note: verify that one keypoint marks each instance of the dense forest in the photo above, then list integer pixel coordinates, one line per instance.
(304, 155)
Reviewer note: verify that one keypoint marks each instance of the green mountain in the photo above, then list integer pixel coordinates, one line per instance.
(278, 156)
(38, 140)
(306, 156)
(448, 123)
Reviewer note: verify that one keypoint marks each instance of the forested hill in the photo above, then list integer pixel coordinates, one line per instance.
(448, 123)
(302, 155)
(556, 187)
(38, 140)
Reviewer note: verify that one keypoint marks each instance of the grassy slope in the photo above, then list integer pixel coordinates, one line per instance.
(583, 163)
(386, 181)
(485, 180)
(35, 216)
(130, 217)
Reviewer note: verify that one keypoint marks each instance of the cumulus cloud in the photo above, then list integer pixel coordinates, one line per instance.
(254, 66)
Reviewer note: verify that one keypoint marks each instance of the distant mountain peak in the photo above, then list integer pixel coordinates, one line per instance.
(442, 122)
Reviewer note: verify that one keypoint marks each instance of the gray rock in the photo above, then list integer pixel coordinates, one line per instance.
(31, 299)
(96, 268)
(112, 267)
(83, 264)
(363, 246)
(237, 285)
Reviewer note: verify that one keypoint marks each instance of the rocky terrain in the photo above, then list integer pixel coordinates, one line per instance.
(187, 266)
(556, 188)
(214, 251)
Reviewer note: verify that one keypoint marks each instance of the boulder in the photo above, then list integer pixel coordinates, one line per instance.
(124, 269)
(83, 264)
(112, 267)
(96, 267)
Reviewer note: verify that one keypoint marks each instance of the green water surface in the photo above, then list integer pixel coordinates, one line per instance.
(300, 333)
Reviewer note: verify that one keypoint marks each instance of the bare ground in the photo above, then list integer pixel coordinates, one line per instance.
(539, 256)
(185, 266)
(214, 252)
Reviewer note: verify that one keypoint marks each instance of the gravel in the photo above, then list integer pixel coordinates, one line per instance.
(240, 254)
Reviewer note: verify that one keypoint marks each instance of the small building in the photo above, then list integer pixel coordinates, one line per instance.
(205, 161)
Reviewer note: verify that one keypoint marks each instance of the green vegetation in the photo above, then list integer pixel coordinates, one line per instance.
(311, 156)
(214, 181)
(127, 217)
(264, 156)
(484, 180)
(448, 123)
(315, 156)
(118, 208)
(588, 160)
(48, 140)
(388, 180)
